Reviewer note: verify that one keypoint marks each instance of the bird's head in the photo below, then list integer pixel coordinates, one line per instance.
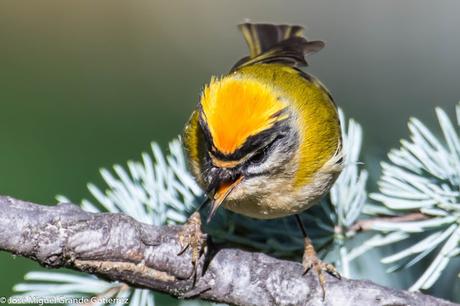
(249, 135)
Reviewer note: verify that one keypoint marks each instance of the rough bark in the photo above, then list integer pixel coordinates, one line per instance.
(117, 247)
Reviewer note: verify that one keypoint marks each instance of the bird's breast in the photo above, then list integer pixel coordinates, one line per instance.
(274, 198)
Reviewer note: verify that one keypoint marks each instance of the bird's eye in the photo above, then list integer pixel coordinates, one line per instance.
(258, 157)
(261, 155)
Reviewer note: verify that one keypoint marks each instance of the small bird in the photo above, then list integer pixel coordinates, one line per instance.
(265, 139)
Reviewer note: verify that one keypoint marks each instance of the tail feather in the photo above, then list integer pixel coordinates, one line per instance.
(262, 37)
(269, 43)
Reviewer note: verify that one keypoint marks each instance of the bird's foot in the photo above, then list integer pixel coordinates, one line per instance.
(192, 237)
(312, 262)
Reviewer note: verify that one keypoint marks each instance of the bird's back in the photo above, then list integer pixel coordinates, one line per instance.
(312, 104)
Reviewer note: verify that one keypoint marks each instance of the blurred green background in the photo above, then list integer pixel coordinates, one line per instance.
(86, 84)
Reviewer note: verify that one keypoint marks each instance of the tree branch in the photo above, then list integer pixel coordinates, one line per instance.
(367, 224)
(117, 247)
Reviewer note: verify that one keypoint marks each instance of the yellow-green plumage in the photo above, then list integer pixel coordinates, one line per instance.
(194, 145)
(316, 114)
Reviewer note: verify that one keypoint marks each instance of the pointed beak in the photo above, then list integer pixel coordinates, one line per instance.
(221, 193)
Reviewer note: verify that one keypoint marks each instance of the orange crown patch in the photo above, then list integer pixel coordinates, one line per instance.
(235, 109)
